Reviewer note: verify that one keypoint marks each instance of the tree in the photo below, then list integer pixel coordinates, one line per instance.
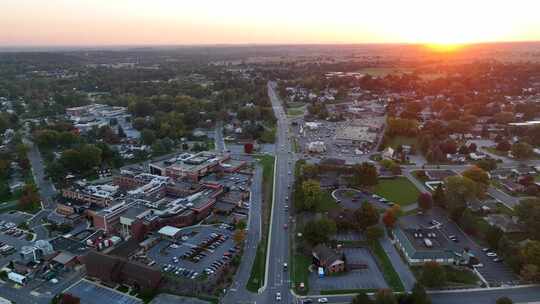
(531, 253)
(530, 273)
(319, 231)
(365, 174)
(389, 218)
(69, 299)
(362, 298)
(487, 164)
(504, 117)
(312, 194)
(528, 213)
(239, 236)
(419, 295)
(433, 275)
(459, 189)
(522, 150)
(439, 196)
(29, 198)
(477, 175)
(425, 201)
(493, 236)
(90, 156)
(504, 300)
(373, 233)
(503, 146)
(367, 215)
(385, 296)
(148, 137)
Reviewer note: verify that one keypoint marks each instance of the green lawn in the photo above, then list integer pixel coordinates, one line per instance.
(454, 276)
(395, 141)
(328, 203)
(295, 111)
(389, 273)
(537, 178)
(397, 190)
(300, 272)
(346, 291)
(460, 276)
(256, 278)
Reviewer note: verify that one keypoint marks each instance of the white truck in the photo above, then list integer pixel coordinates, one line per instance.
(17, 278)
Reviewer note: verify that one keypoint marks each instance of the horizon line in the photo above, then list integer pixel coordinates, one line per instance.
(270, 44)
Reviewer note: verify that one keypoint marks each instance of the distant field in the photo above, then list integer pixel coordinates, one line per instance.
(384, 71)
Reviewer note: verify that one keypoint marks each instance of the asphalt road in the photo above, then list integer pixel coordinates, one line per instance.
(46, 187)
(277, 278)
(47, 191)
(219, 142)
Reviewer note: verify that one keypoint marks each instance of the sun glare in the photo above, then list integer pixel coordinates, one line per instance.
(445, 47)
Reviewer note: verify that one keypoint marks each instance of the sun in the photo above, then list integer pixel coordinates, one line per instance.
(445, 47)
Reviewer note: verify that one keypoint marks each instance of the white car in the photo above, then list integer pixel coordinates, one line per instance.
(278, 296)
(491, 254)
(322, 300)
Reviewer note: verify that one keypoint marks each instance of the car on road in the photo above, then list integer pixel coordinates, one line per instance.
(491, 254)
(322, 300)
(497, 260)
(285, 226)
(278, 296)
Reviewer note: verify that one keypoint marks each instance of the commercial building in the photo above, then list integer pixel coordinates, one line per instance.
(424, 245)
(329, 259)
(190, 167)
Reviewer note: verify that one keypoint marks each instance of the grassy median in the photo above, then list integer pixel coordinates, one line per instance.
(258, 269)
(389, 273)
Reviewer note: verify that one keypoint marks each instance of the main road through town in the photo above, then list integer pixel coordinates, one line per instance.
(277, 280)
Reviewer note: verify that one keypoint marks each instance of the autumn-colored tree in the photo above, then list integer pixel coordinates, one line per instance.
(425, 201)
(389, 218)
(239, 236)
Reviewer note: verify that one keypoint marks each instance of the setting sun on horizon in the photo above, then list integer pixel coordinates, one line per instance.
(123, 22)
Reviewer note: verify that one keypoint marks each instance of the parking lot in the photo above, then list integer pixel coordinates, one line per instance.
(369, 278)
(91, 293)
(328, 132)
(201, 251)
(11, 237)
(353, 199)
(495, 273)
(234, 181)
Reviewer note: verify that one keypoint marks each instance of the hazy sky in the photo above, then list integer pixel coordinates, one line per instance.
(121, 22)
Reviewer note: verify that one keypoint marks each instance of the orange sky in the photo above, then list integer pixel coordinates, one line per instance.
(124, 22)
